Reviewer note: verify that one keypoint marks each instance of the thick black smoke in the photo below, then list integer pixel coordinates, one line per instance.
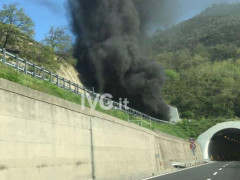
(109, 46)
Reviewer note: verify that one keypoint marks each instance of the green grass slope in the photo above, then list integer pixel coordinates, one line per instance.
(184, 129)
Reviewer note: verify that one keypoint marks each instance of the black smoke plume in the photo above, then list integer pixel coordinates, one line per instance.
(110, 35)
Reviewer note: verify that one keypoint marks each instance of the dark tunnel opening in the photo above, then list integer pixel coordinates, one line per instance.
(225, 145)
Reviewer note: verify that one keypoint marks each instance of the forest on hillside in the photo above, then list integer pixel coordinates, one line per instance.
(201, 57)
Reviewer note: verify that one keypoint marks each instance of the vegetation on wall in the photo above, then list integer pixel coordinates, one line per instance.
(184, 129)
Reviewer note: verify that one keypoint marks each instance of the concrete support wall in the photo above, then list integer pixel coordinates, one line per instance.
(45, 138)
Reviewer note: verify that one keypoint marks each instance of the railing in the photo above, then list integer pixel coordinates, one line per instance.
(188, 163)
(39, 72)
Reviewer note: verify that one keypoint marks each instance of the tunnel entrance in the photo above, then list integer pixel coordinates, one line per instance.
(225, 145)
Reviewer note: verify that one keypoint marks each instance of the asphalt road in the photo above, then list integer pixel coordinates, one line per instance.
(212, 171)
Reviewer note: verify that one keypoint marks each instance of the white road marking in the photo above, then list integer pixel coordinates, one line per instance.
(179, 171)
(215, 173)
(208, 179)
(220, 169)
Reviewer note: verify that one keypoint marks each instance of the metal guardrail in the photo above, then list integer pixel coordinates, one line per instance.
(188, 164)
(39, 72)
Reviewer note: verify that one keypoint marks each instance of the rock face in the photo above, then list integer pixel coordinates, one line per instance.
(70, 73)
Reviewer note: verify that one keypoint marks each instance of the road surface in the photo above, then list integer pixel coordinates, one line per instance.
(212, 171)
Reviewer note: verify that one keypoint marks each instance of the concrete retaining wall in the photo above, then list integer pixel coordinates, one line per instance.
(45, 138)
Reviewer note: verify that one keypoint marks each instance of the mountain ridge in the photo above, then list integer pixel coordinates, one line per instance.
(201, 57)
(212, 26)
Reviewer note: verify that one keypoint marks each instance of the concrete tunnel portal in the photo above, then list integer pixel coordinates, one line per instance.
(221, 142)
(225, 145)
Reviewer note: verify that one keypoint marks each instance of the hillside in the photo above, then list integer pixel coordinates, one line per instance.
(216, 25)
(202, 61)
(27, 48)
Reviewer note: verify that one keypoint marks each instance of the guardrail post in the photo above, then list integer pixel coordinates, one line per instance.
(93, 96)
(84, 92)
(69, 82)
(63, 83)
(57, 80)
(17, 63)
(34, 70)
(4, 56)
(50, 78)
(43, 74)
(77, 88)
(150, 123)
(25, 68)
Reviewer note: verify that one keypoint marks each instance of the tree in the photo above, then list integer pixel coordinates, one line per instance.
(15, 18)
(61, 43)
(58, 39)
(222, 52)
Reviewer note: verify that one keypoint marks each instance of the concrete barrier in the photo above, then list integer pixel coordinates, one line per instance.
(46, 138)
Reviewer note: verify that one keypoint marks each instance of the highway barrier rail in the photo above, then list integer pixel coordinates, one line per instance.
(29, 68)
(188, 164)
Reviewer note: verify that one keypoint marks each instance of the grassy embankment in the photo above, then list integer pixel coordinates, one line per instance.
(182, 130)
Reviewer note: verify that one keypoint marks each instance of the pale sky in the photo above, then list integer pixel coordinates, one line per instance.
(46, 13)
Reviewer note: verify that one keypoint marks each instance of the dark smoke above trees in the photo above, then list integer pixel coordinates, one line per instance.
(109, 46)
